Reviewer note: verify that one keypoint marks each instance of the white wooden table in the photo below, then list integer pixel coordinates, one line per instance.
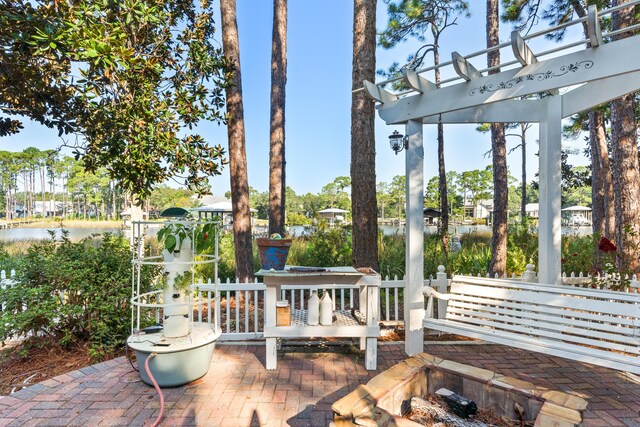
(344, 326)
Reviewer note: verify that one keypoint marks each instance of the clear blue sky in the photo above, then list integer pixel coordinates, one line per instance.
(319, 99)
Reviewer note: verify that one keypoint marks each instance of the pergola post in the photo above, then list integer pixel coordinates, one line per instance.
(549, 233)
(414, 279)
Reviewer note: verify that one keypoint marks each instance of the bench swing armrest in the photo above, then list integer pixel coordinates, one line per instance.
(431, 293)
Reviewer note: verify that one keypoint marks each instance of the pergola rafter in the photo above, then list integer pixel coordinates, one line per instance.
(530, 92)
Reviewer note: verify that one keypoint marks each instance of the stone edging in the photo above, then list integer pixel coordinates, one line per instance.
(385, 397)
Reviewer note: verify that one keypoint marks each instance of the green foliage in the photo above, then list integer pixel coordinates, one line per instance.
(227, 264)
(149, 72)
(7, 262)
(74, 292)
(330, 247)
(294, 218)
(163, 197)
(173, 234)
(578, 253)
(391, 255)
(523, 241)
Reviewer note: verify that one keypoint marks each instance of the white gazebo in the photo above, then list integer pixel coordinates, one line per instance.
(525, 90)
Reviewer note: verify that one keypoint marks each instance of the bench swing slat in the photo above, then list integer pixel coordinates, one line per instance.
(585, 354)
(544, 287)
(547, 298)
(625, 333)
(597, 320)
(544, 330)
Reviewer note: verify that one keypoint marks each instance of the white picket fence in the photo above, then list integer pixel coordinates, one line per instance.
(240, 304)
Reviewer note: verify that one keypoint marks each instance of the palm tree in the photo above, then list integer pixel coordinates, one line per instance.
(237, 151)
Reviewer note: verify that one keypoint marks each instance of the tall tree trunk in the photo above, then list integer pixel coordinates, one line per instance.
(52, 203)
(498, 263)
(363, 147)
(625, 168)
(602, 194)
(43, 183)
(277, 163)
(113, 201)
(25, 208)
(443, 224)
(237, 152)
(523, 196)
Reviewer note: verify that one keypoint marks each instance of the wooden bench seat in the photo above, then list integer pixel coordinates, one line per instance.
(586, 325)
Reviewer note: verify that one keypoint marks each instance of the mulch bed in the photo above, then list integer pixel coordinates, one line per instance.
(32, 361)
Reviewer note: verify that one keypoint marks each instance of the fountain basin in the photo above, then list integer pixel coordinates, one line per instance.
(178, 361)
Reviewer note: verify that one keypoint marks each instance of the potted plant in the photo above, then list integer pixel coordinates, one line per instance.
(273, 252)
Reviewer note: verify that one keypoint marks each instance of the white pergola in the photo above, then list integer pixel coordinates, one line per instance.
(587, 77)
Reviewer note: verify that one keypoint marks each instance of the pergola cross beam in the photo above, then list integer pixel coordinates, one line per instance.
(555, 73)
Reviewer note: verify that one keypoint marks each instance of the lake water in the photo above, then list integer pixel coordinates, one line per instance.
(42, 233)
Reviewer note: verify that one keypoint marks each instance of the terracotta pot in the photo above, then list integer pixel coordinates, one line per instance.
(273, 253)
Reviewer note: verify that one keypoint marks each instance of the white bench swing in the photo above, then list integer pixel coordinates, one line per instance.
(592, 326)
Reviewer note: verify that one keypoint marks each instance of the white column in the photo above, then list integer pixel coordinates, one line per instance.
(549, 237)
(413, 296)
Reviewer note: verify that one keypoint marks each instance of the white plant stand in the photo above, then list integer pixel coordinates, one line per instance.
(345, 324)
(183, 349)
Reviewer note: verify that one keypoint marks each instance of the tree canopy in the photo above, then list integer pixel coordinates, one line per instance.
(131, 79)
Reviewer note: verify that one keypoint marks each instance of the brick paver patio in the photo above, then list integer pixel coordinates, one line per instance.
(238, 391)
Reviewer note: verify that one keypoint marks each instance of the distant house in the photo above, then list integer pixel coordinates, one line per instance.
(212, 206)
(576, 215)
(431, 216)
(481, 209)
(333, 215)
(532, 210)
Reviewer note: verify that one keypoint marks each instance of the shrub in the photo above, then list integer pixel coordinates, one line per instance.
(74, 292)
(325, 247)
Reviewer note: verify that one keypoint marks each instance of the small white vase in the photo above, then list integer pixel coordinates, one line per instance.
(326, 310)
(313, 309)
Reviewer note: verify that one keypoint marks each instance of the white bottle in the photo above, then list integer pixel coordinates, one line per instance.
(326, 310)
(313, 309)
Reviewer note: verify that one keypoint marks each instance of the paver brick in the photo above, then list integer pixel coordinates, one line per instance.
(238, 391)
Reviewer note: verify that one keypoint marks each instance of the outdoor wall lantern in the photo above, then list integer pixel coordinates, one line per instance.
(398, 142)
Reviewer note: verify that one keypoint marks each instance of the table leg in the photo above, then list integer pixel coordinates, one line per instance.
(371, 355)
(362, 306)
(270, 297)
(272, 354)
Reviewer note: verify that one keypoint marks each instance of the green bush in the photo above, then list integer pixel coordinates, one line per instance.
(580, 254)
(325, 247)
(391, 255)
(74, 292)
